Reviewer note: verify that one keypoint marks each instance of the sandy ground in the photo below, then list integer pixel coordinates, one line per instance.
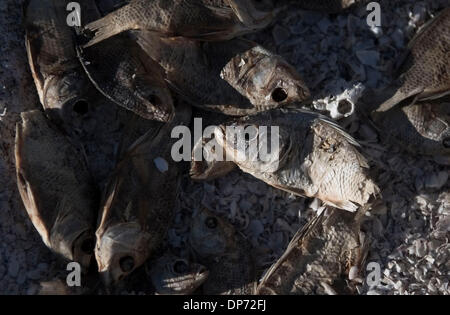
(409, 231)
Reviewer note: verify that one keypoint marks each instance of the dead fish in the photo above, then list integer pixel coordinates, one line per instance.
(310, 156)
(123, 73)
(138, 202)
(50, 43)
(235, 78)
(224, 252)
(422, 128)
(56, 188)
(174, 275)
(425, 71)
(200, 19)
(319, 257)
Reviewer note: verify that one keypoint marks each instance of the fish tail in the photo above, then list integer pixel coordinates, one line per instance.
(103, 28)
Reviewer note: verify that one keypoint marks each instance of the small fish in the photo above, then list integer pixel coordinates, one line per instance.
(425, 71)
(235, 78)
(314, 156)
(200, 19)
(138, 202)
(422, 128)
(56, 188)
(50, 43)
(224, 252)
(173, 275)
(123, 73)
(318, 258)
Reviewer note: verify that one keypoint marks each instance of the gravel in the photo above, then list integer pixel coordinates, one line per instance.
(408, 231)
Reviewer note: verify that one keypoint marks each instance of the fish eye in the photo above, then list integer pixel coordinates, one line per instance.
(155, 100)
(279, 95)
(211, 222)
(81, 107)
(344, 107)
(88, 246)
(180, 266)
(126, 263)
(446, 142)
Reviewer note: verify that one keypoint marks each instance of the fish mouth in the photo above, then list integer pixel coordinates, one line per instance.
(120, 250)
(83, 249)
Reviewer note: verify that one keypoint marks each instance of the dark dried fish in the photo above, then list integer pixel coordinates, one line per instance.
(201, 19)
(425, 71)
(224, 252)
(138, 202)
(50, 42)
(56, 188)
(194, 71)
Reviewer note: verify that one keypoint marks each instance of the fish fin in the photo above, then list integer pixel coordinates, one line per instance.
(397, 98)
(344, 205)
(225, 12)
(294, 243)
(103, 28)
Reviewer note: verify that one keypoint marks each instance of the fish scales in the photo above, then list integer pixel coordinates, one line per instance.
(56, 188)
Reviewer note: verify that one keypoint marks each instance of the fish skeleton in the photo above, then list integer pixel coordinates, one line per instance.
(318, 257)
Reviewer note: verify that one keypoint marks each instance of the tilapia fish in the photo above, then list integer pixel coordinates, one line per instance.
(174, 275)
(319, 257)
(235, 78)
(56, 188)
(138, 202)
(200, 19)
(422, 128)
(126, 75)
(309, 155)
(50, 42)
(122, 72)
(425, 70)
(224, 252)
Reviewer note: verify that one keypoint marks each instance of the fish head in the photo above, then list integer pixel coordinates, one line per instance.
(209, 234)
(155, 96)
(267, 80)
(255, 146)
(175, 275)
(120, 250)
(66, 97)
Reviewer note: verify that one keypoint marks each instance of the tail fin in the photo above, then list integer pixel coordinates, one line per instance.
(104, 28)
